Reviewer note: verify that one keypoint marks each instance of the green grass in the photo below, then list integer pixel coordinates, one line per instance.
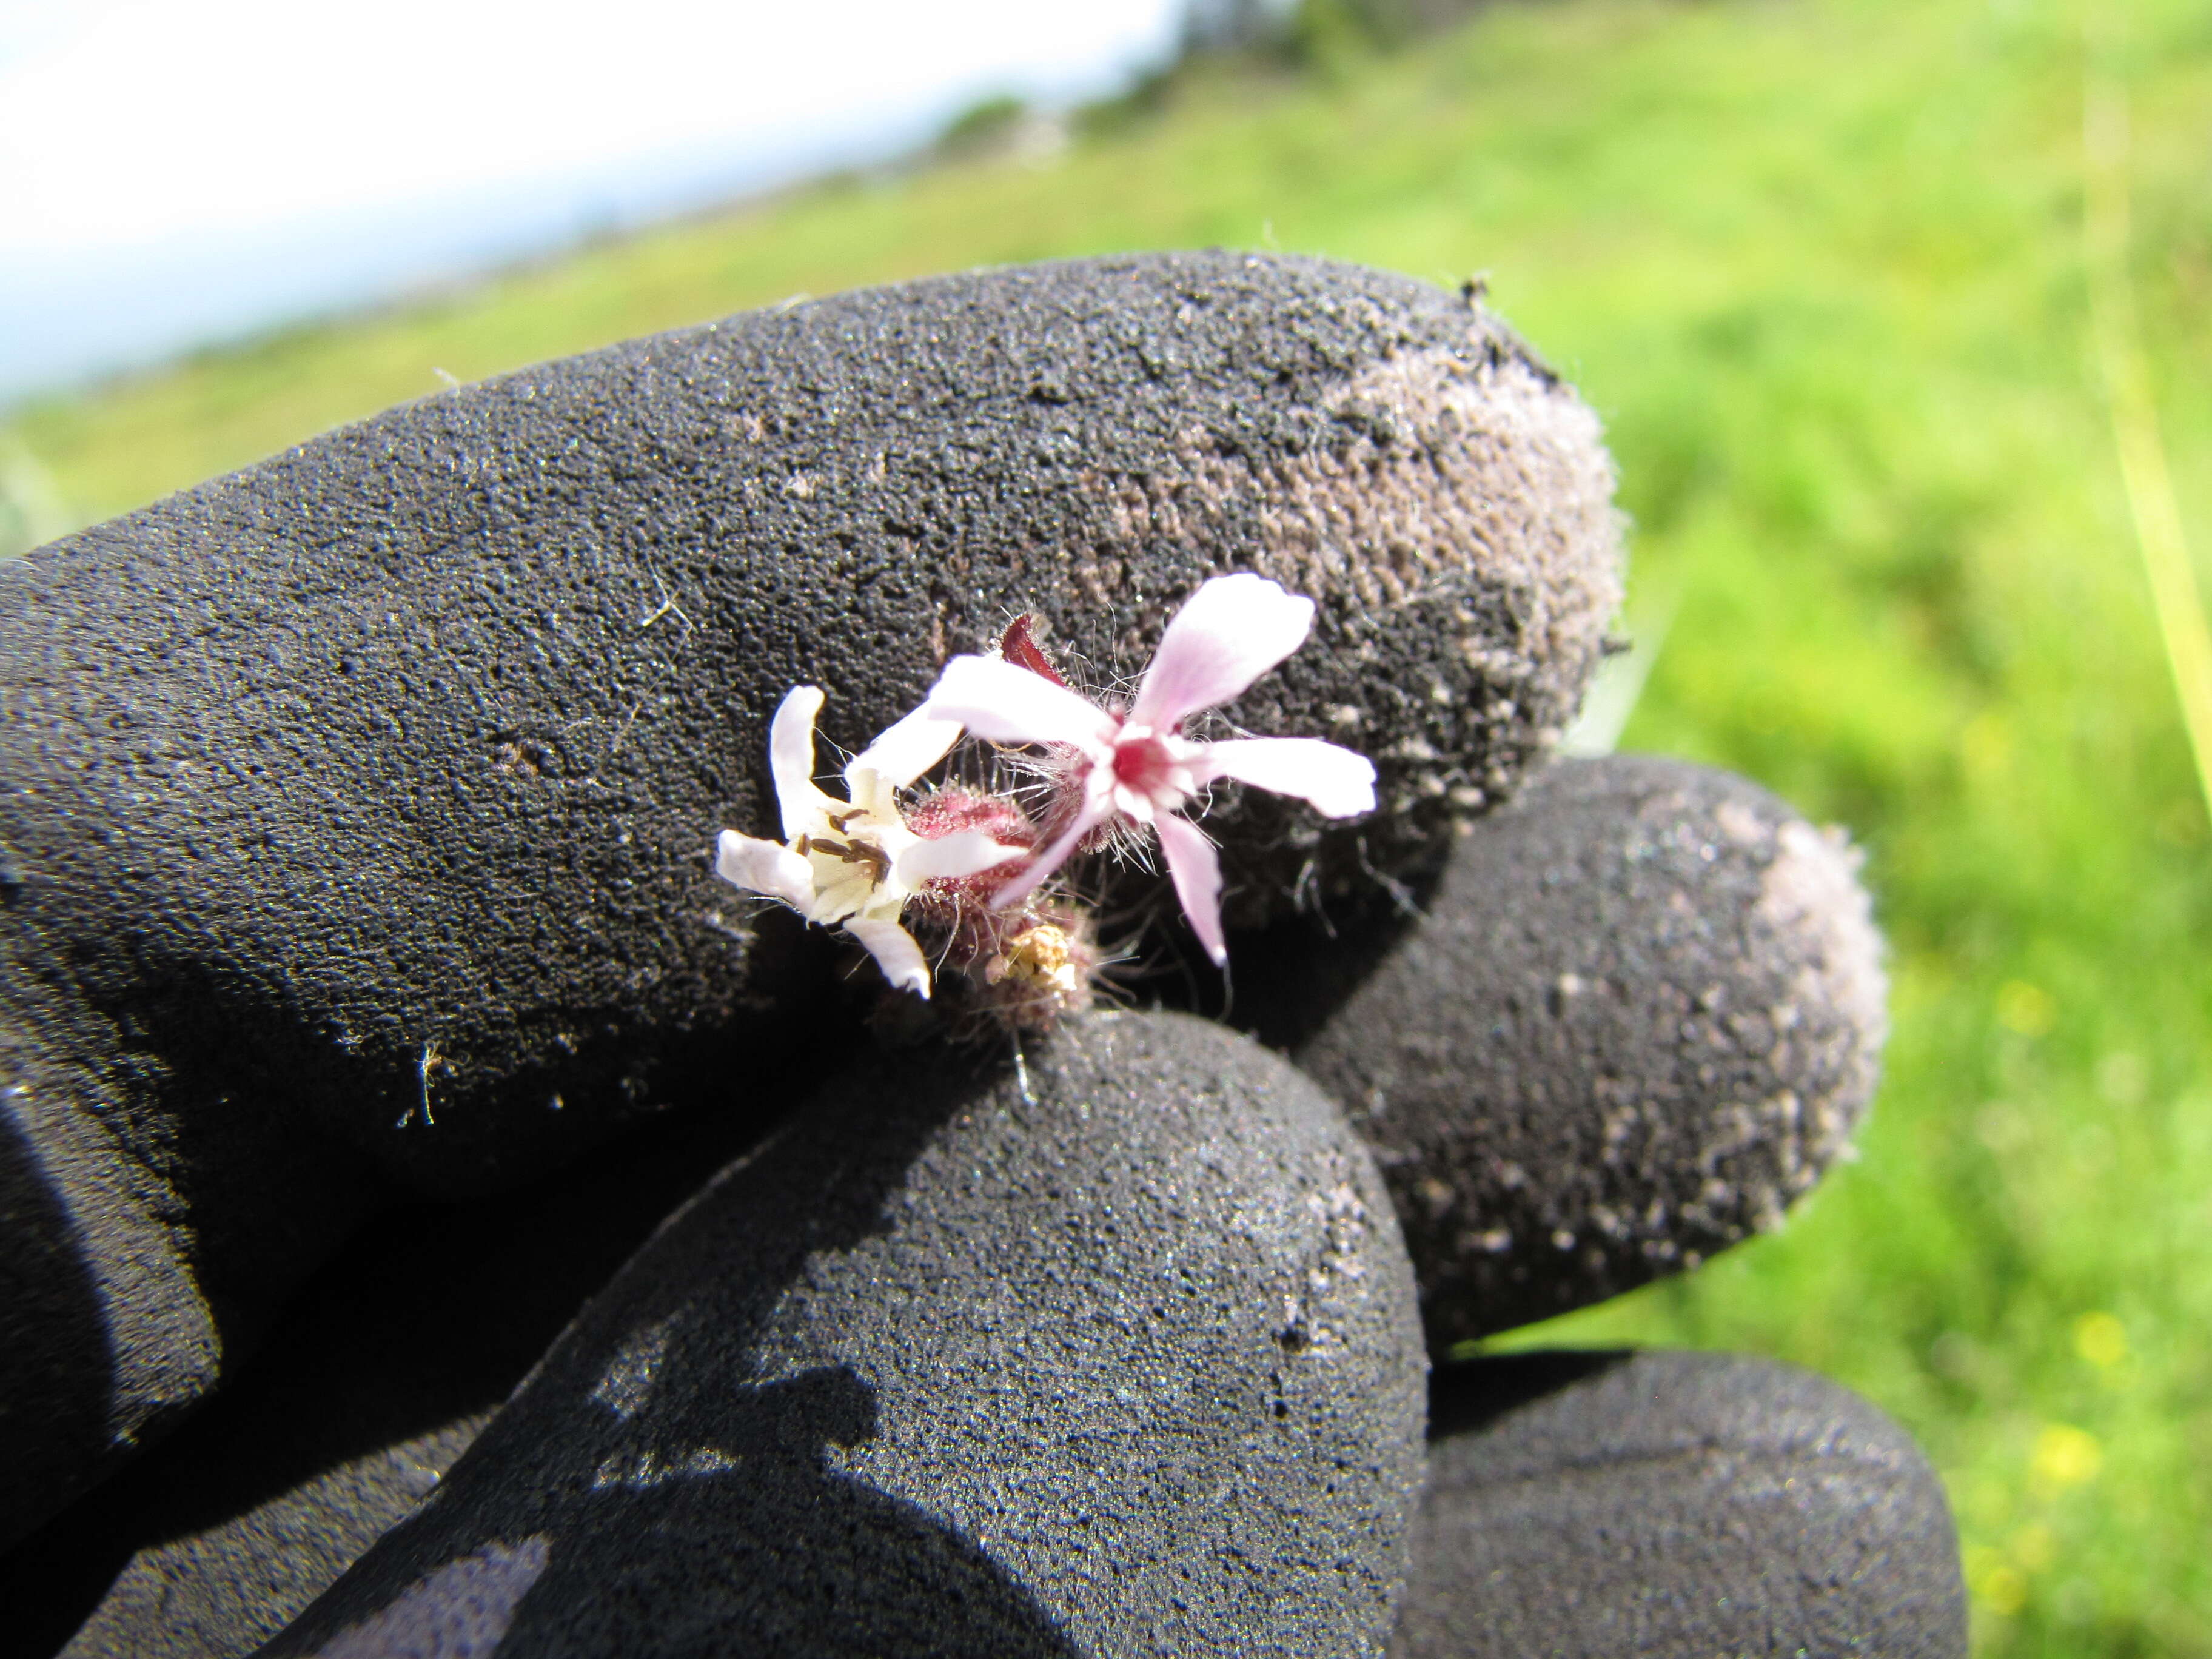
(1819, 265)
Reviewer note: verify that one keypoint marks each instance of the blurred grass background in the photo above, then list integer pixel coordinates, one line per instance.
(1820, 264)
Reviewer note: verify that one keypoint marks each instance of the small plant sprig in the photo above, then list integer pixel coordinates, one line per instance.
(982, 876)
(1120, 772)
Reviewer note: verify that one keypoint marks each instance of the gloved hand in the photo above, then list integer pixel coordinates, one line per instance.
(356, 853)
(1592, 1503)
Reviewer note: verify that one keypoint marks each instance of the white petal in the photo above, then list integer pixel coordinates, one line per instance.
(1096, 809)
(964, 853)
(1004, 703)
(1228, 634)
(846, 890)
(1338, 782)
(791, 760)
(1197, 872)
(895, 953)
(764, 867)
(907, 750)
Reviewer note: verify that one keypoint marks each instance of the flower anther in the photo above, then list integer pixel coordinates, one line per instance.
(856, 862)
(1134, 765)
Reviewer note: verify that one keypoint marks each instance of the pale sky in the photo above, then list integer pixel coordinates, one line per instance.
(172, 173)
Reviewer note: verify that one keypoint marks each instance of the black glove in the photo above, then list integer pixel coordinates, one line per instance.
(1669, 1504)
(442, 936)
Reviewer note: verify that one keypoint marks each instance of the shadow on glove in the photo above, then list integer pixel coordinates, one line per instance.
(748, 1539)
(1127, 1361)
(383, 1370)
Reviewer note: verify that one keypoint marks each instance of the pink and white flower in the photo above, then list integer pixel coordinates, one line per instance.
(1135, 766)
(856, 862)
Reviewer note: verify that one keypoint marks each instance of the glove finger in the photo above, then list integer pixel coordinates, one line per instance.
(1673, 1505)
(1640, 1015)
(1131, 1363)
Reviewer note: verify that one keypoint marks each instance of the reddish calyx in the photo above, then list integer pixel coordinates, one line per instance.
(1019, 646)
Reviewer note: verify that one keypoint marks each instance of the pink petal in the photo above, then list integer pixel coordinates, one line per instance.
(1197, 872)
(1003, 703)
(1228, 634)
(907, 750)
(895, 953)
(791, 758)
(767, 867)
(964, 853)
(1096, 809)
(1338, 782)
